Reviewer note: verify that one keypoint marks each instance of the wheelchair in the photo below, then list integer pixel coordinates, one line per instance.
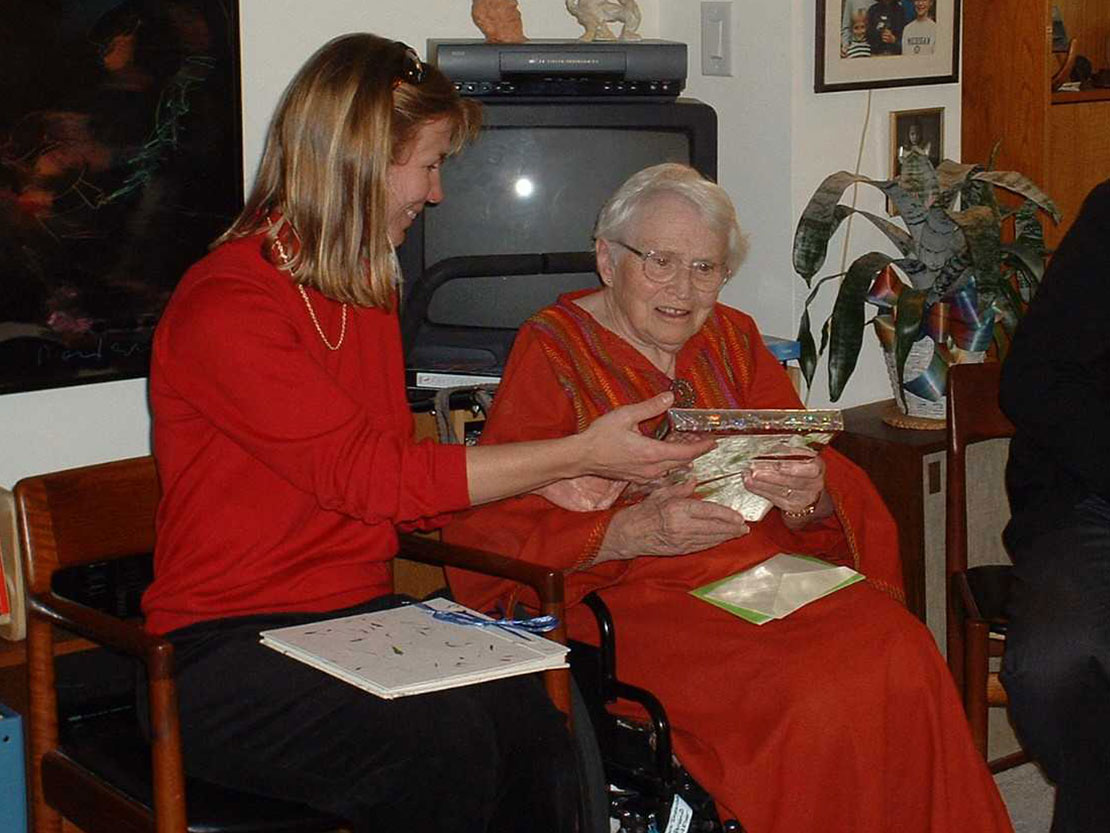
(630, 773)
(639, 776)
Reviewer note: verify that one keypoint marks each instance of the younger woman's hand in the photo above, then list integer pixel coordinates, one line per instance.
(613, 446)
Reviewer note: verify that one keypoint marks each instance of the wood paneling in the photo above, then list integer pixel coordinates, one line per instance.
(1061, 142)
(1079, 144)
(1005, 87)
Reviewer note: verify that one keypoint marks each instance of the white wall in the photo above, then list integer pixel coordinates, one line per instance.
(777, 138)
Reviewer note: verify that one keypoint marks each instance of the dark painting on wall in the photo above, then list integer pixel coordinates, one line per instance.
(120, 161)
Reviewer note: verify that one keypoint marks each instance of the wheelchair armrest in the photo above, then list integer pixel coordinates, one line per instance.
(660, 725)
(612, 688)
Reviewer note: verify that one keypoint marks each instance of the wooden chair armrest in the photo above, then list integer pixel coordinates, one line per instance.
(106, 630)
(167, 771)
(546, 581)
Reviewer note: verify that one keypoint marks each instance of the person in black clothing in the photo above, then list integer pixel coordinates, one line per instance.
(885, 21)
(1056, 390)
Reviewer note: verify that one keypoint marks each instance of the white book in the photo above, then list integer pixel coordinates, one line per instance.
(406, 650)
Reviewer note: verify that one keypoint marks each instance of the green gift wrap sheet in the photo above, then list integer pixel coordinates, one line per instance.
(777, 587)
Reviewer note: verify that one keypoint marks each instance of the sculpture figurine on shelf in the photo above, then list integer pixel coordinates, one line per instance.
(596, 15)
(499, 20)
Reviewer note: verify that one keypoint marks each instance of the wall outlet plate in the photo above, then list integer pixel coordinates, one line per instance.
(716, 38)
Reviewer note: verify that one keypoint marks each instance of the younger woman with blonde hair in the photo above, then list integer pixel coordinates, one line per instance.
(284, 445)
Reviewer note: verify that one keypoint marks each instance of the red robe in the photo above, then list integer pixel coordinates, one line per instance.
(840, 717)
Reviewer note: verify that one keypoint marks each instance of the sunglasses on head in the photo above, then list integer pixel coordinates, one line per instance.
(413, 70)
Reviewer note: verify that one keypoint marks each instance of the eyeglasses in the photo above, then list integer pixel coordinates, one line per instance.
(663, 267)
(413, 70)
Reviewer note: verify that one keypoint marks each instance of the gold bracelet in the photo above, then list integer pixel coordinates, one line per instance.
(801, 513)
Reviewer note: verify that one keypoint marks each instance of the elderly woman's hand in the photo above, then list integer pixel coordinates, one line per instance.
(669, 521)
(793, 486)
(615, 448)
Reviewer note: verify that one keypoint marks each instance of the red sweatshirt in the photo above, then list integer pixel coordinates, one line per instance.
(285, 466)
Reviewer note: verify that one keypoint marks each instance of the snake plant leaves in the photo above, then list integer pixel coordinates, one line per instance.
(982, 233)
(952, 177)
(819, 221)
(846, 331)
(1026, 261)
(915, 271)
(908, 206)
(938, 239)
(1027, 226)
(951, 278)
(808, 357)
(919, 177)
(1021, 185)
(1008, 306)
(824, 213)
(893, 232)
(907, 327)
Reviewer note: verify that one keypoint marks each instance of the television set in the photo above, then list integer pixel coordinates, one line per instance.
(514, 230)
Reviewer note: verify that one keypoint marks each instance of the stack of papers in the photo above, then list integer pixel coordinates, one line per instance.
(776, 587)
(405, 650)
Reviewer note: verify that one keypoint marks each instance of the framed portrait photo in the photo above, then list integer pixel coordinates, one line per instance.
(863, 44)
(914, 130)
(920, 130)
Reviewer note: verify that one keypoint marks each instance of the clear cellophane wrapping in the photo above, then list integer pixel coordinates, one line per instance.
(744, 436)
(761, 421)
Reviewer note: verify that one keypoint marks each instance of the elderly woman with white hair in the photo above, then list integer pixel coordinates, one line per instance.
(839, 717)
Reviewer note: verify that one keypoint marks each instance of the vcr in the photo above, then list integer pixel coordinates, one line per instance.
(552, 68)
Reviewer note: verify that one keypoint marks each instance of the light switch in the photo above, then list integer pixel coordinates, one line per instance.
(716, 38)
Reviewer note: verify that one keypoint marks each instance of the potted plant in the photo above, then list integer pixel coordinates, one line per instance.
(954, 289)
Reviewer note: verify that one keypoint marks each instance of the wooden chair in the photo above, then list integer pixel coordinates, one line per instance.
(976, 596)
(104, 777)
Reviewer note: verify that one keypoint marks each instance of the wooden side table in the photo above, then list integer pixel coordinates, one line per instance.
(907, 467)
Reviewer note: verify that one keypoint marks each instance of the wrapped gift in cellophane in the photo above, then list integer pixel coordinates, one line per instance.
(745, 436)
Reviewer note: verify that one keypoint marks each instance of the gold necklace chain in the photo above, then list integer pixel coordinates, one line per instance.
(316, 322)
(284, 257)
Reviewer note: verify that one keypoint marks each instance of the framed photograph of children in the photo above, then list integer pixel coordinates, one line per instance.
(862, 44)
